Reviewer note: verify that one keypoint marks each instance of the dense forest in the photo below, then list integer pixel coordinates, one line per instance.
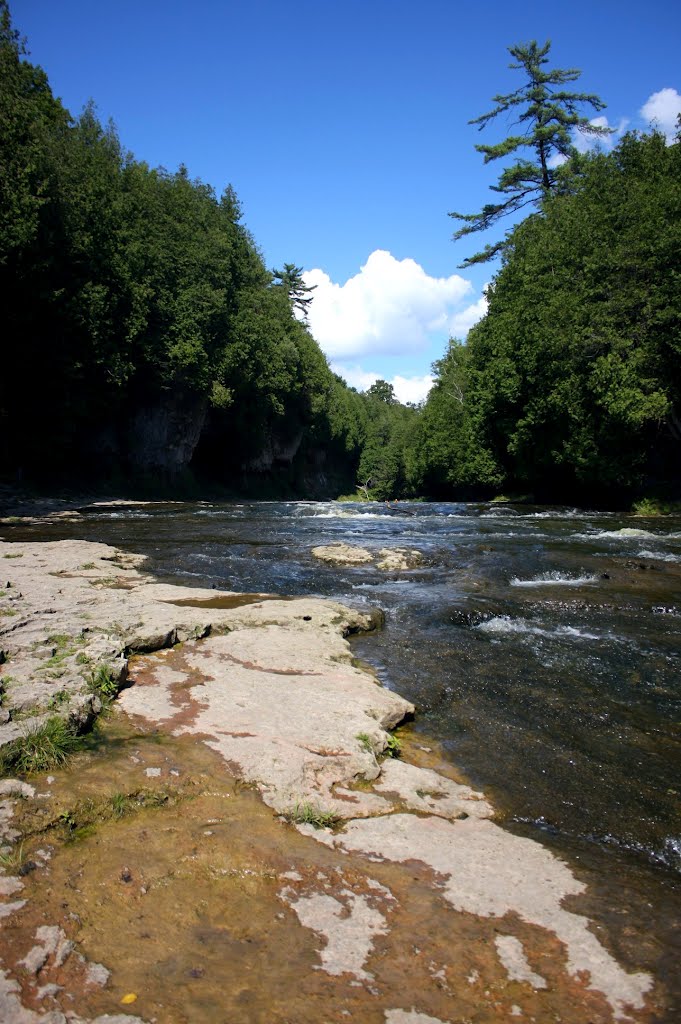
(144, 338)
(147, 344)
(571, 384)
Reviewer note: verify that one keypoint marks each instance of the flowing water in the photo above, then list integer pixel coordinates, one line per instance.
(542, 647)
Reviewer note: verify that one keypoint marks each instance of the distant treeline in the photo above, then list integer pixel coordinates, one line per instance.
(143, 336)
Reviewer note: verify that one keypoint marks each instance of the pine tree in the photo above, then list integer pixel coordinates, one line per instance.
(547, 114)
(291, 278)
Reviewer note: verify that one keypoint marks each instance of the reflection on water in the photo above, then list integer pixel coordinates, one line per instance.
(542, 646)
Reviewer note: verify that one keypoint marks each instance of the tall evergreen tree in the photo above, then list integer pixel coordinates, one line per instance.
(291, 279)
(547, 114)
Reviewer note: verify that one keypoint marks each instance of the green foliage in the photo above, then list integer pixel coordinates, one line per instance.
(653, 507)
(393, 747)
(578, 358)
(103, 683)
(133, 292)
(48, 745)
(299, 294)
(385, 467)
(382, 392)
(452, 449)
(547, 114)
(571, 383)
(365, 742)
(308, 814)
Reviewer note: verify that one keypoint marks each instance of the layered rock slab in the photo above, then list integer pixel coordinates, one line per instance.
(288, 712)
(276, 694)
(285, 708)
(388, 559)
(68, 607)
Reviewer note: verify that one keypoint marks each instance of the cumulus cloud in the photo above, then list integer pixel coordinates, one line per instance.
(461, 323)
(412, 389)
(407, 389)
(390, 307)
(355, 376)
(662, 110)
(584, 142)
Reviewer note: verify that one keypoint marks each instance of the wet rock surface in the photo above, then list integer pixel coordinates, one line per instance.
(69, 607)
(204, 906)
(236, 846)
(389, 559)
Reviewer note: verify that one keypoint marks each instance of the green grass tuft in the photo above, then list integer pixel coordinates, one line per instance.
(57, 699)
(365, 742)
(308, 814)
(46, 746)
(103, 683)
(12, 860)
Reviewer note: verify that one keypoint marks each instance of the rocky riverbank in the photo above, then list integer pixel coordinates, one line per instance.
(238, 844)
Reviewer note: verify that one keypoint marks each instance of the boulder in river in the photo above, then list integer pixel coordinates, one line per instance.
(389, 559)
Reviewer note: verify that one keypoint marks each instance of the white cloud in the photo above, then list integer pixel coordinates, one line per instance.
(407, 389)
(662, 110)
(412, 389)
(355, 376)
(584, 142)
(390, 307)
(461, 323)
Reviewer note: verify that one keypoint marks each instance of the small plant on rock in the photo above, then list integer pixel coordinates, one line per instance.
(103, 683)
(57, 699)
(308, 814)
(121, 804)
(393, 747)
(12, 859)
(46, 746)
(365, 742)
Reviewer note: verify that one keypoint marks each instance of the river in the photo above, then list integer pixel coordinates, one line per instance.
(542, 647)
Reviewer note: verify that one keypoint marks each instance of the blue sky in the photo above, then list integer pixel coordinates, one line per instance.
(343, 128)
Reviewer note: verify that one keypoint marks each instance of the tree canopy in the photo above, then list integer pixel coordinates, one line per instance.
(140, 322)
(571, 383)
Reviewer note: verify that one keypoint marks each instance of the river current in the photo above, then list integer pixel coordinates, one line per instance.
(541, 646)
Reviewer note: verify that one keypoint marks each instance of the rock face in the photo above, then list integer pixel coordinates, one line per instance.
(164, 436)
(277, 449)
